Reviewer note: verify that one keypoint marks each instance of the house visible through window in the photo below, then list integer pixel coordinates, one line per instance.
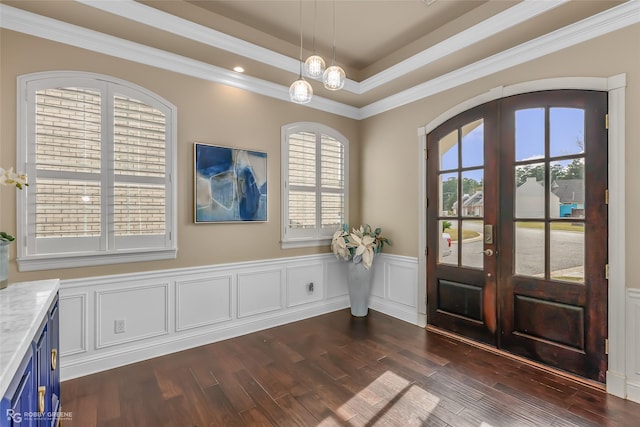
(99, 156)
(315, 182)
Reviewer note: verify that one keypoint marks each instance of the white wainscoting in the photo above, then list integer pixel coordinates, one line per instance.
(633, 345)
(171, 310)
(395, 289)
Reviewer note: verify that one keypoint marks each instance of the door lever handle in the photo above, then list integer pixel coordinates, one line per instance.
(487, 252)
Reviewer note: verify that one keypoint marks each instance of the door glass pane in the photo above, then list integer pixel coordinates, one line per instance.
(530, 186)
(448, 197)
(567, 189)
(529, 134)
(472, 244)
(567, 251)
(473, 144)
(472, 194)
(448, 149)
(447, 247)
(529, 248)
(566, 131)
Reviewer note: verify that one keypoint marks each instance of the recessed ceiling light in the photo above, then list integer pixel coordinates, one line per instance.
(238, 69)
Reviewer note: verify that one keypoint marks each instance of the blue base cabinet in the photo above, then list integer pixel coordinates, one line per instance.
(32, 399)
(54, 369)
(20, 398)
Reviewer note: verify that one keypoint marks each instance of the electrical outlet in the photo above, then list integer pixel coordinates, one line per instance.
(119, 326)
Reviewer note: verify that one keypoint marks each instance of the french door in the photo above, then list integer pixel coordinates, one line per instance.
(517, 227)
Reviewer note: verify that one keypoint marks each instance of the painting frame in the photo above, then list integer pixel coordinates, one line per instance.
(229, 184)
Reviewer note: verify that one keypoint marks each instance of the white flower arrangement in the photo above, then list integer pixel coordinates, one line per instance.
(9, 177)
(13, 179)
(359, 245)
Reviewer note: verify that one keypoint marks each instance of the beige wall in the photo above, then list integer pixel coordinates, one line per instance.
(390, 143)
(384, 149)
(208, 113)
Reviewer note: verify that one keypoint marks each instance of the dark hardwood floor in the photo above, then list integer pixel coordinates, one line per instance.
(338, 370)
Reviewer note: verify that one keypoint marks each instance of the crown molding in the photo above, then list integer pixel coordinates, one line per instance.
(496, 24)
(147, 15)
(164, 21)
(603, 23)
(36, 25)
(598, 25)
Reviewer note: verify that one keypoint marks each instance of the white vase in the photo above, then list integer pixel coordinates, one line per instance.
(4, 264)
(359, 283)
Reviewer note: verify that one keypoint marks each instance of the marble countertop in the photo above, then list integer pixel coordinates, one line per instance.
(23, 307)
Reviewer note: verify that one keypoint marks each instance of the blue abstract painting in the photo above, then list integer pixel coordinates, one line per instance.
(230, 184)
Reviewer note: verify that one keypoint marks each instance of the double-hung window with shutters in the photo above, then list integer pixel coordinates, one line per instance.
(100, 155)
(314, 184)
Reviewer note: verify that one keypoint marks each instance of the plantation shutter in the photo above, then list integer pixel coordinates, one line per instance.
(302, 180)
(332, 184)
(68, 157)
(139, 169)
(315, 182)
(101, 166)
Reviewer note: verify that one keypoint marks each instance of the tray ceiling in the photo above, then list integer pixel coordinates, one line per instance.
(389, 49)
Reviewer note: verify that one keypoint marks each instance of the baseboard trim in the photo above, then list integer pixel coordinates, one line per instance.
(633, 392)
(405, 313)
(616, 384)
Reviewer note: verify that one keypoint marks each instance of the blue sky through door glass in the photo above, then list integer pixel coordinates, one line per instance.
(529, 134)
(473, 144)
(566, 133)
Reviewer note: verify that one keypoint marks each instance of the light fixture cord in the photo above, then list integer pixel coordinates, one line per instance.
(334, 33)
(300, 38)
(315, 8)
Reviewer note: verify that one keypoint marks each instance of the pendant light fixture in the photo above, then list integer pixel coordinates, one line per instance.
(314, 65)
(334, 77)
(300, 91)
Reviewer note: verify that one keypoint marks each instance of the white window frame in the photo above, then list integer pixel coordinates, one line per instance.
(291, 238)
(156, 247)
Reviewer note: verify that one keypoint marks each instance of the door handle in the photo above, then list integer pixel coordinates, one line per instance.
(487, 252)
(42, 391)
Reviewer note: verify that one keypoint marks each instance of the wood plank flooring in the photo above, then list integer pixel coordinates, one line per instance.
(336, 370)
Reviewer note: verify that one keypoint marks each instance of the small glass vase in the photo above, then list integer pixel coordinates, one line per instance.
(4, 264)
(359, 284)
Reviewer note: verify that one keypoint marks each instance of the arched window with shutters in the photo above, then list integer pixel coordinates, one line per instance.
(314, 183)
(99, 154)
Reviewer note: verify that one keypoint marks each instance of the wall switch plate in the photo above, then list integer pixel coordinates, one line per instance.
(119, 326)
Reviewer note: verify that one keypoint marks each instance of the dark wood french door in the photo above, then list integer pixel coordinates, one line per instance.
(517, 227)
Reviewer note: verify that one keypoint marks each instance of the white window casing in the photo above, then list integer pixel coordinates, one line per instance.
(99, 153)
(315, 184)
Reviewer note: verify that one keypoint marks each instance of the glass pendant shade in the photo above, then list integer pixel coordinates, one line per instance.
(334, 78)
(314, 66)
(300, 91)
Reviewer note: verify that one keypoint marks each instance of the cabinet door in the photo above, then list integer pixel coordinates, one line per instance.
(54, 371)
(19, 400)
(42, 366)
